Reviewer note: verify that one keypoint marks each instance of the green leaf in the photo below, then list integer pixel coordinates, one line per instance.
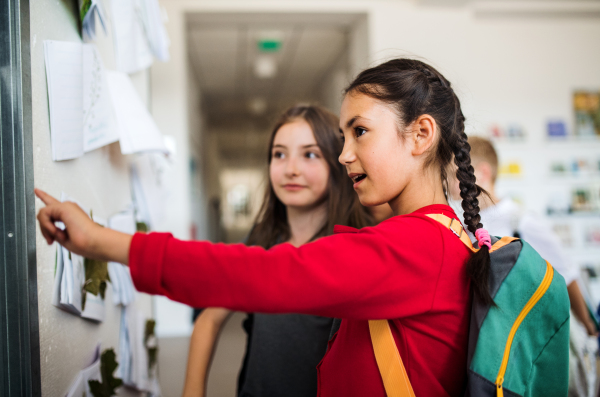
(108, 365)
(152, 357)
(141, 227)
(149, 330)
(96, 273)
(85, 6)
(152, 351)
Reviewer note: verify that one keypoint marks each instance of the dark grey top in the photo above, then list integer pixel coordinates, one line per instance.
(282, 355)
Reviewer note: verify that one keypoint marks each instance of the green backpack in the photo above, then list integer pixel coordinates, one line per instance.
(520, 347)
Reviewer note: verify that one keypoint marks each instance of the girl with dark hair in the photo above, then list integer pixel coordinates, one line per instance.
(402, 123)
(307, 193)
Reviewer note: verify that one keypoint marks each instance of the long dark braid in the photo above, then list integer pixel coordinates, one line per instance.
(414, 88)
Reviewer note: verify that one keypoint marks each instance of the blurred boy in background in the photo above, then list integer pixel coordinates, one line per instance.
(504, 217)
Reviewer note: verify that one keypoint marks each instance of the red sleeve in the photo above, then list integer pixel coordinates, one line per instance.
(387, 271)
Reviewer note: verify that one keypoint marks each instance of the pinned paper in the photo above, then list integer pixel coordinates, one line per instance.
(88, 10)
(137, 130)
(81, 117)
(132, 48)
(74, 279)
(120, 277)
(80, 386)
(138, 352)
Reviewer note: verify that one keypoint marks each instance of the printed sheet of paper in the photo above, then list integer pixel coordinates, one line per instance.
(133, 353)
(80, 386)
(70, 279)
(137, 130)
(152, 20)
(132, 49)
(120, 277)
(149, 185)
(64, 74)
(99, 126)
(94, 308)
(88, 18)
(81, 114)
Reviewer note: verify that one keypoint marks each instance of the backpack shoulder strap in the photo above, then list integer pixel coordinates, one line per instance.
(394, 376)
(456, 228)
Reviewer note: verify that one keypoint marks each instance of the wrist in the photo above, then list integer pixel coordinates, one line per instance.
(97, 243)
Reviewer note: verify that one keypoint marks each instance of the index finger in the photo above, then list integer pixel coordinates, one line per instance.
(45, 197)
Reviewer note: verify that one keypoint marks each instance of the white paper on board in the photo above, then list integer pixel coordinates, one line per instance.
(80, 386)
(149, 185)
(94, 307)
(152, 20)
(94, 304)
(132, 49)
(137, 130)
(70, 280)
(58, 274)
(99, 126)
(64, 74)
(81, 115)
(120, 277)
(89, 20)
(133, 354)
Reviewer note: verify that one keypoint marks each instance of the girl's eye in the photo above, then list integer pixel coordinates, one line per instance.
(278, 155)
(311, 155)
(358, 131)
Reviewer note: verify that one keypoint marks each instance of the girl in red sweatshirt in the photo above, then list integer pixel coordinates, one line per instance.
(402, 124)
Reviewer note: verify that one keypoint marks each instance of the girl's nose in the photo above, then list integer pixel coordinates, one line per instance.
(291, 168)
(348, 155)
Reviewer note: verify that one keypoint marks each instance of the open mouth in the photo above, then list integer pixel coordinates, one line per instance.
(359, 178)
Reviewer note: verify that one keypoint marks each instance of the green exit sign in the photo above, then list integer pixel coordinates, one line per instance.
(269, 45)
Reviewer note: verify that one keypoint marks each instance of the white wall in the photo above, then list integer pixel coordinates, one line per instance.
(100, 180)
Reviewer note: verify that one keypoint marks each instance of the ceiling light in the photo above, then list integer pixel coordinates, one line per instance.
(257, 106)
(265, 67)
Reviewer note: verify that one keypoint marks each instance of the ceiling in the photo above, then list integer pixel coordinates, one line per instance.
(223, 51)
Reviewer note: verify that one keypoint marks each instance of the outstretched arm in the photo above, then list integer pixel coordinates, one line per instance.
(81, 235)
(204, 338)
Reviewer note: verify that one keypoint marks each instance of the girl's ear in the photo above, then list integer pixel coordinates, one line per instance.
(423, 134)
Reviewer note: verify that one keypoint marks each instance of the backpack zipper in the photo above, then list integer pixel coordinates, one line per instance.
(541, 290)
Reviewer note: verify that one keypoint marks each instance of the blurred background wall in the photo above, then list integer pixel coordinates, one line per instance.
(236, 64)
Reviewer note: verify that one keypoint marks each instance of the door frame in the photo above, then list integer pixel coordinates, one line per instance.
(19, 329)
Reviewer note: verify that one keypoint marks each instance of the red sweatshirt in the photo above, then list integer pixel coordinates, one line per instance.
(408, 268)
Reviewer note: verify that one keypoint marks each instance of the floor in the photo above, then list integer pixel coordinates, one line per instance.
(222, 381)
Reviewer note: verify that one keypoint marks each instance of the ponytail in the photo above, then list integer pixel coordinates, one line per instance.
(478, 266)
(414, 88)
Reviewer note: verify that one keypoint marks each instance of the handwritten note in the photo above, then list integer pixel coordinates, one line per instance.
(99, 127)
(64, 72)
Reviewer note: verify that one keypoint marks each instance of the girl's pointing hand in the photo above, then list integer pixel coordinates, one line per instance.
(81, 235)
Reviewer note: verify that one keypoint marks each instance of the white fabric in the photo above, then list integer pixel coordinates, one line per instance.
(506, 217)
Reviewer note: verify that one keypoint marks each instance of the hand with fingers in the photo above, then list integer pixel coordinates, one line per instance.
(81, 235)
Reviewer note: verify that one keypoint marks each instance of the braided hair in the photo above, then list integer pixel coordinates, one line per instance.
(414, 88)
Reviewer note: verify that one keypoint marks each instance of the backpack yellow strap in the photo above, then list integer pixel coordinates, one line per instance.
(394, 376)
(455, 227)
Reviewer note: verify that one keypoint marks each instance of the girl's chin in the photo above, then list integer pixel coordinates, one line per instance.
(300, 204)
(367, 201)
